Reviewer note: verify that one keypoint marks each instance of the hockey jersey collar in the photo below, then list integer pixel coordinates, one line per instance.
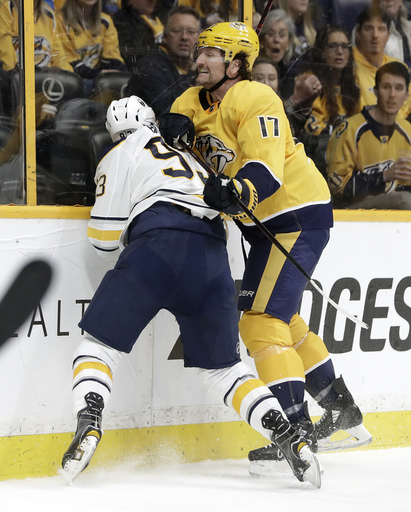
(378, 129)
(205, 101)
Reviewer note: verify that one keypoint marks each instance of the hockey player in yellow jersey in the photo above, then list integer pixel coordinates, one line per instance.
(243, 133)
(369, 154)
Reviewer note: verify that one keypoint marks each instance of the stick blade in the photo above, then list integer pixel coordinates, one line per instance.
(23, 296)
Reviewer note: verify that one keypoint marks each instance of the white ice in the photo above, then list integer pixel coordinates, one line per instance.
(356, 481)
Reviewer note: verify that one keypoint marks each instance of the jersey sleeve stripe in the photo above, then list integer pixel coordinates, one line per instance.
(103, 236)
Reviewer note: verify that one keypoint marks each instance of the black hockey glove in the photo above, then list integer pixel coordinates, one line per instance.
(220, 192)
(177, 126)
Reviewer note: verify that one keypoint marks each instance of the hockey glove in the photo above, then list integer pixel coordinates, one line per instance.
(220, 192)
(174, 127)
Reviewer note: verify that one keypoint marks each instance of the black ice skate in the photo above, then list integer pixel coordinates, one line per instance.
(86, 438)
(263, 460)
(294, 448)
(341, 426)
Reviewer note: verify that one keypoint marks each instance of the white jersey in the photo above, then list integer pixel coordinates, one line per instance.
(138, 172)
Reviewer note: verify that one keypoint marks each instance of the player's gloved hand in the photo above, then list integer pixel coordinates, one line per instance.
(220, 192)
(174, 127)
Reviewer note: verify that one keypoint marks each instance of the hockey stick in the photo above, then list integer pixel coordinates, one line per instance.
(273, 240)
(23, 296)
(263, 16)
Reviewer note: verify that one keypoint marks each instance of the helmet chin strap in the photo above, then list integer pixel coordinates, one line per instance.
(220, 83)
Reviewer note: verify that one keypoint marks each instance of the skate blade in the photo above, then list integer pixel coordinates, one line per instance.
(312, 474)
(265, 468)
(74, 467)
(345, 439)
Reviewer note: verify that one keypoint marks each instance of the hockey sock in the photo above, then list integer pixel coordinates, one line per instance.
(93, 367)
(237, 387)
(319, 384)
(290, 394)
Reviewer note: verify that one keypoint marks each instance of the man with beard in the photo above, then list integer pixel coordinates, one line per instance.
(243, 133)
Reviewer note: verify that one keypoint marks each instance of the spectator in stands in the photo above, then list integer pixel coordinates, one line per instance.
(331, 60)
(89, 38)
(300, 12)
(297, 92)
(265, 72)
(371, 34)
(399, 41)
(163, 77)
(277, 40)
(48, 50)
(366, 166)
(139, 30)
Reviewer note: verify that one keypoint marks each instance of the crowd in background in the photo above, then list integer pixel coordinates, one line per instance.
(319, 56)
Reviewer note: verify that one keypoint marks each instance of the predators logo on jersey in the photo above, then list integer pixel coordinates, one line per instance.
(90, 54)
(378, 167)
(215, 152)
(42, 51)
(341, 129)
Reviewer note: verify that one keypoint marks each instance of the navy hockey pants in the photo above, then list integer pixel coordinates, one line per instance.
(185, 272)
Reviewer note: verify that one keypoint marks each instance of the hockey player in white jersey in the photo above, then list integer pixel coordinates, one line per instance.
(172, 255)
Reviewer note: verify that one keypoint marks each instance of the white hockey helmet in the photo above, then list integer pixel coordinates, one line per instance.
(128, 115)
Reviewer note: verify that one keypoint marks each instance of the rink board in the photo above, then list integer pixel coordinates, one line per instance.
(156, 402)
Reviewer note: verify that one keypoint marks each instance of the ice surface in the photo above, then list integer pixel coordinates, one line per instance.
(356, 481)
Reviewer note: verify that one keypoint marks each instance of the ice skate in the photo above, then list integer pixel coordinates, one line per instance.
(294, 447)
(263, 460)
(341, 426)
(86, 438)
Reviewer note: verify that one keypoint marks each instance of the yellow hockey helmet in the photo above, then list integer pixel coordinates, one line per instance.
(231, 38)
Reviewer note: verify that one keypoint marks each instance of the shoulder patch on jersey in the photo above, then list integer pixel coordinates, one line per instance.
(341, 129)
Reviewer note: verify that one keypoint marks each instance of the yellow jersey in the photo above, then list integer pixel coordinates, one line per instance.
(91, 51)
(248, 133)
(48, 50)
(359, 151)
(319, 117)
